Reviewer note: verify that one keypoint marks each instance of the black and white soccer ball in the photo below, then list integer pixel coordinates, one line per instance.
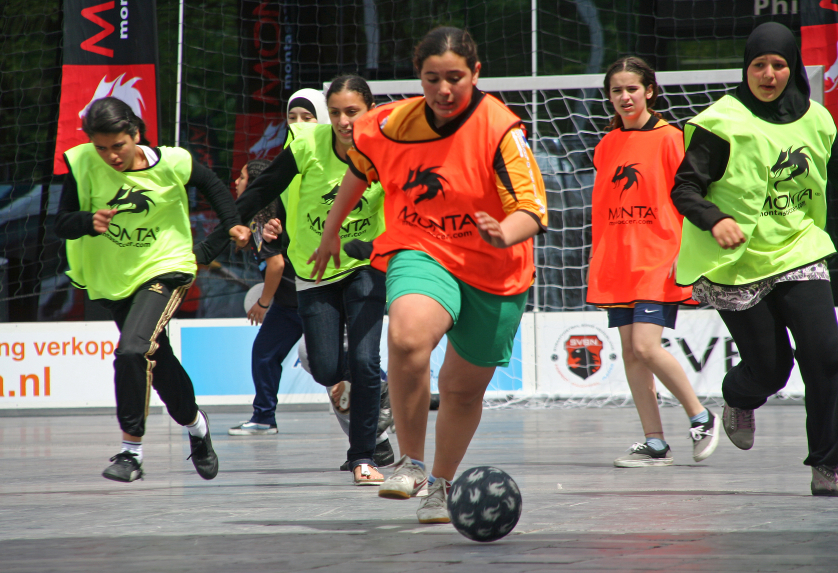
(484, 503)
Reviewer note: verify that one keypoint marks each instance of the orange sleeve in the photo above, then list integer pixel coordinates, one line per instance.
(361, 166)
(518, 178)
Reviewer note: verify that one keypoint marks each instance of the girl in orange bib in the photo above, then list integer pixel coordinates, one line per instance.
(636, 238)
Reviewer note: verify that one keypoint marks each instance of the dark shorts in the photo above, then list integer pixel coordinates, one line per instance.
(661, 314)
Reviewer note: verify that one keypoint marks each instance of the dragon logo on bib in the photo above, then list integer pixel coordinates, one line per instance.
(129, 196)
(329, 199)
(432, 182)
(627, 172)
(796, 161)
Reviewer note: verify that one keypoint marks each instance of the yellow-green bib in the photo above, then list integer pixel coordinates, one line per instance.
(774, 186)
(321, 172)
(149, 235)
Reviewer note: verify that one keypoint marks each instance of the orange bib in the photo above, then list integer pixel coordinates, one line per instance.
(636, 228)
(433, 189)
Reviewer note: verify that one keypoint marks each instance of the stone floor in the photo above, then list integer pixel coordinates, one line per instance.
(280, 505)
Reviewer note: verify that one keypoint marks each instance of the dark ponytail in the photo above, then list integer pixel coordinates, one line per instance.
(446, 39)
(638, 66)
(112, 115)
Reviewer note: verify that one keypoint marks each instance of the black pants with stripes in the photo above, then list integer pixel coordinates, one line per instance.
(144, 357)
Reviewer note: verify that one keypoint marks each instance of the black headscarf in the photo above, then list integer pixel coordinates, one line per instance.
(793, 103)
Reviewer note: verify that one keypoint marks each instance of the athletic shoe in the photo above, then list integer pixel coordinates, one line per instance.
(125, 468)
(203, 456)
(434, 508)
(644, 456)
(366, 476)
(252, 429)
(407, 480)
(339, 395)
(739, 426)
(705, 437)
(382, 457)
(824, 481)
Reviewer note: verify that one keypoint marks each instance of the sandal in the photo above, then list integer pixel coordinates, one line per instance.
(366, 477)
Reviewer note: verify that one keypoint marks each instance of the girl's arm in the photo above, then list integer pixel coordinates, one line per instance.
(351, 189)
(71, 222)
(270, 184)
(210, 186)
(516, 228)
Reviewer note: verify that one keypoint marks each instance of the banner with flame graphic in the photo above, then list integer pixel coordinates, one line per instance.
(819, 39)
(110, 49)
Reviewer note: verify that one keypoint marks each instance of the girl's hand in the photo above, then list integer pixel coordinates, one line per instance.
(256, 314)
(728, 233)
(329, 249)
(490, 230)
(241, 235)
(102, 220)
(271, 230)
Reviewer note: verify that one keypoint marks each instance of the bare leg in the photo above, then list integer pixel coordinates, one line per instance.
(461, 389)
(646, 342)
(417, 324)
(642, 384)
(130, 438)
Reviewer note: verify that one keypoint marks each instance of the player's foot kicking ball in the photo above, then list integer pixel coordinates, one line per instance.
(125, 467)
(434, 508)
(203, 456)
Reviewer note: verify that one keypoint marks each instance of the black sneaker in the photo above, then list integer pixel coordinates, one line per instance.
(203, 456)
(125, 468)
(382, 457)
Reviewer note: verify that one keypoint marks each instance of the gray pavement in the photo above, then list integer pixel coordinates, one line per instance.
(280, 505)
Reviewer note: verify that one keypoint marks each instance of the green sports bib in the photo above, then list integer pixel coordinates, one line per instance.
(774, 187)
(321, 172)
(148, 236)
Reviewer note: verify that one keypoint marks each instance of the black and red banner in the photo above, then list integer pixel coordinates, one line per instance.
(110, 49)
(819, 39)
(269, 73)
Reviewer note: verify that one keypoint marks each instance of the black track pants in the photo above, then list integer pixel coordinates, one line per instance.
(144, 358)
(806, 308)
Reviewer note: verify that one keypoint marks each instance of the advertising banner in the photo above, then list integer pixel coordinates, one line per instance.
(819, 39)
(110, 50)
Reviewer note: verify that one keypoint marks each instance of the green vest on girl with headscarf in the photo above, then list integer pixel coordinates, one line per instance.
(774, 186)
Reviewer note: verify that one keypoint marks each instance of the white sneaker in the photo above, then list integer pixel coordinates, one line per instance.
(434, 508)
(407, 480)
(252, 429)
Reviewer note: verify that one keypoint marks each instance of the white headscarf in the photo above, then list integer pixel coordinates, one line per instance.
(317, 100)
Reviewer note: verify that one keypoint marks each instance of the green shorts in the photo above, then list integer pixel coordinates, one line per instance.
(484, 324)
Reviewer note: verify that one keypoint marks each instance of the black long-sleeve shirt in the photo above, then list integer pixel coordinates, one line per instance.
(72, 223)
(705, 161)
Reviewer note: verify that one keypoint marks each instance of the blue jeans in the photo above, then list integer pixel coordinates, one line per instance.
(280, 331)
(357, 303)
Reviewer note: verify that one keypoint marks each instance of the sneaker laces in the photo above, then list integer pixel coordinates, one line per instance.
(829, 473)
(436, 496)
(125, 456)
(744, 419)
(699, 432)
(637, 446)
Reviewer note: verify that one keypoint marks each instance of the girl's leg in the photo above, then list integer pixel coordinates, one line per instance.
(642, 384)
(461, 389)
(646, 344)
(321, 313)
(417, 324)
(363, 300)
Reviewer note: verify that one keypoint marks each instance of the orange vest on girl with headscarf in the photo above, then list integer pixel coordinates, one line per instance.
(636, 228)
(434, 187)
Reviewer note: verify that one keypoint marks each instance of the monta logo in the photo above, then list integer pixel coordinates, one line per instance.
(329, 199)
(627, 172)
(130, 197)
(425, 178)
(795, 160)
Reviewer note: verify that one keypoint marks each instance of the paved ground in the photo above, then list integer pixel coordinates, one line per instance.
(280, 505)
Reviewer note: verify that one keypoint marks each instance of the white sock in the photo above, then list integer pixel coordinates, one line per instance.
(199, 428)
(134, 448)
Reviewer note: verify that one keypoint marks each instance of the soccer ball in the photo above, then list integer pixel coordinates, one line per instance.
(484, 503)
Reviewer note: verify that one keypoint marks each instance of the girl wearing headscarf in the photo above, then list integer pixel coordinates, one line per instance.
(752, 187)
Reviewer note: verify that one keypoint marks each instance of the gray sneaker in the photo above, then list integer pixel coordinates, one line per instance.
(739, 426)
(252, 429)
(434, 508)
(642, 456)
(705, 437)
(824, 481)
(407, 480)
